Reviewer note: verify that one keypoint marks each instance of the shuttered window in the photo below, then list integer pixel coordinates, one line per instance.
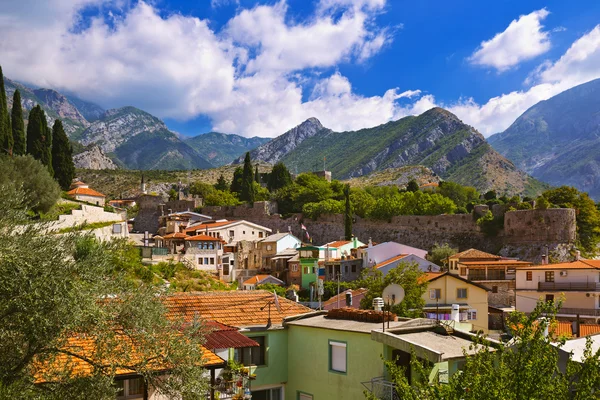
(337, 356)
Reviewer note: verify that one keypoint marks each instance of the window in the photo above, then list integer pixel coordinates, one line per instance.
(269, 247)
(252, 355)
(205, 260)
(346, 269)
(549, 276)
(435, 294)
(255, 259)
(463, 271)
(243, 232)
(549, 298)
(304, 396)
(461, 293)
(472, 314)
(231, 233)
(212, 261)
(354, 268)
(477, 274)
(199, 260)
(260, 234)
(128, 388)
(494, 289)
(529, 276)
(268, 394)
(306, 270)
(294, 267)
(337, 357)
(117, 228)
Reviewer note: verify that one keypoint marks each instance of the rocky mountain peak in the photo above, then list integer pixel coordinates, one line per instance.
(61, 105)
(93, 158)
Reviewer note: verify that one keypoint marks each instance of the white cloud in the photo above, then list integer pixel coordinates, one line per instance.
(522, 40)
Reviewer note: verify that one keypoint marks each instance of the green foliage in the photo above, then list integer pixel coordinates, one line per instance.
(330, 289)
(222, 184)
(460, 195)
(347, 213)
(52, 287)
(440, 253)
(18, 126)
(214, 197)
(256, 175)
(490, 195)
(525, 369)
(308, 188)
(542, 203)
(61, 208)
(29, 175)
(185, 279)
(62, 156)
(279, 177)
(270, 287)
(6, 138)
(247, 193)
(173, 194)
(236, 182)
(329, 206)
(39, 137)
(362, 202)
(412, 186)
(412, 203)
(260, 193)
(588, 216)
(489, 224)
(406, 275)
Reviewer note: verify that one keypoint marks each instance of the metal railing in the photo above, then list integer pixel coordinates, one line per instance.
(574, 286)
(381, 389)
(581, 311)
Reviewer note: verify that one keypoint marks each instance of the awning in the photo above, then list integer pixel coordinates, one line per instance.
(282, 257)
(433, 307)
(226, 337)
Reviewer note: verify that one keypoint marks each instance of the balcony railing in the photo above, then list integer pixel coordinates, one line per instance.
(381, 389)
(569, 286)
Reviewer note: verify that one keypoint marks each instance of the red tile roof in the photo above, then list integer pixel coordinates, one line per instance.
(203, 238)
(580, 264)
(474, 253)
(225, 337)
(209, 225)
(390, 260)
(428, 276)
(256, 279)
(84, 192)
(339, 243)
(355, 293)
(497, 262)
(562, 328)
(237, 308)
(175, 235)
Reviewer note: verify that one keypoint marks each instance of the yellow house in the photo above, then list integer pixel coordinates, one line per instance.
(445, 290)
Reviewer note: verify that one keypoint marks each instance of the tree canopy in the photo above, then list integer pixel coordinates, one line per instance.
(62, 156)
(279, 177)
(18, 125)
(39, 137)
(6, 138)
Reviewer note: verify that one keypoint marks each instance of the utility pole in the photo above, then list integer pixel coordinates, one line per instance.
(338, 294)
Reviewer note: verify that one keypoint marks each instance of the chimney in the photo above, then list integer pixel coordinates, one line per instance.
(354, 244)
(370, 243)
(544, 260)
(455, 313)
(377, 303)
(143, 185)
(577, 255)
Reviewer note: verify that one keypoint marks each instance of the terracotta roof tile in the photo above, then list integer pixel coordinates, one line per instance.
(497, 262)
(342, 296)
(580, 264)
(224, 337)
(209, 225)
(428, 276)
(85, 192)
(474, 253)
(175, 235)
(255, 279)
(339, 243)
(237, 308)
(390, 260)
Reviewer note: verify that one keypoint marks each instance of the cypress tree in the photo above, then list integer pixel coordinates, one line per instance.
(347, 214)
(222, 184)
(256, 175)
(279, 177)
(247, 192)
(236, 183)
(18, 127)
(6, 140)
(62, 156)
(39, 138)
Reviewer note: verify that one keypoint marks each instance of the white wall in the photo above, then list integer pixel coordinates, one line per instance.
(527, 300)
(87, 214)
(241, 231)
(387, 250)
(288, 242)
(539, 275)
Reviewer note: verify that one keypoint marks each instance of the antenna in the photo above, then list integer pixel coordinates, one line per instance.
(392, 294)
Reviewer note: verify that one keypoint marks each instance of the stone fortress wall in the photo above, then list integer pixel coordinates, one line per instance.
(526, 232)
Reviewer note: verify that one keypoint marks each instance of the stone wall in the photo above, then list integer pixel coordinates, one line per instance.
(88, 214)
(525, 230)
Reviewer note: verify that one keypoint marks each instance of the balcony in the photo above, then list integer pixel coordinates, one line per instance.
(381, 389)
(569, 286)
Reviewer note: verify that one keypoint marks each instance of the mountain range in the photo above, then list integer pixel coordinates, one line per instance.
(558, 140)
(436, 139)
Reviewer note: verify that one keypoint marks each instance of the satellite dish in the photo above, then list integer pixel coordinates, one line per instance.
(393, 294)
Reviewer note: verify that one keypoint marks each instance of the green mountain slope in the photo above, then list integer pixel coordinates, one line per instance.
(558, 140)
(437, 139)
(220, 148)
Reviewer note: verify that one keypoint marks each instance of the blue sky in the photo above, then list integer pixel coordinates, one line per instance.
(260, 68)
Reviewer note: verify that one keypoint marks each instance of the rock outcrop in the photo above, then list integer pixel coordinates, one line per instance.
(93, 158)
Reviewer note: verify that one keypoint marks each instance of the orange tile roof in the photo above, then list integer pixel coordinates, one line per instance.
(339, 243)
(203, 238)
(497, 262)
(224, 336)
(428, 276)
(256, 279)
(82, 346)
(580, 264)
(342, 295)
(85, 192)
(175, 235)
(474, 253)
(209, 225)
(562, 328)
(390, 260)
(237, 308)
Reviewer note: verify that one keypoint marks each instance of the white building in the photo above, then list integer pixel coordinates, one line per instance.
(577, 281)
(377, 254)
(204, 252)
(424, 265)
(230, 231)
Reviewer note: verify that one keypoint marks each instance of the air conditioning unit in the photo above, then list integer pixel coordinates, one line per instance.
(563, 273)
